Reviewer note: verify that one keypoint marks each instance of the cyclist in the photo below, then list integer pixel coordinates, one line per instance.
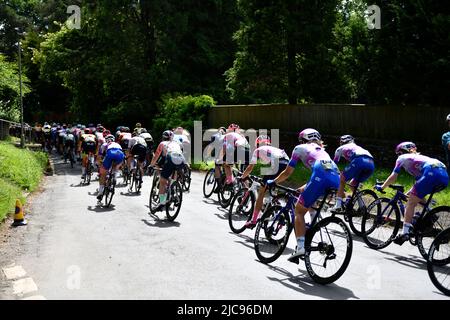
(325, 175)
(86, 146)
(446, 144)
(138, 128)
(174, 159)
(103, 148)
(69, 145)
(137, 147)
(114, 156)
(278, 160)
(429, 174)
(234, 147)
(149, 141)
(217, 145)
(47, 137)
(360, 169)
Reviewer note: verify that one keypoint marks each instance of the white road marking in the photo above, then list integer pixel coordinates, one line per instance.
(14, 272)
(24, 286)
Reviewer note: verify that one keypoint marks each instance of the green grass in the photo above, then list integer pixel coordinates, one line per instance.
(301, 175)
(20, 170)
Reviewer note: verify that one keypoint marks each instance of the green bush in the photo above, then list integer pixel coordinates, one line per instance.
(181, 111)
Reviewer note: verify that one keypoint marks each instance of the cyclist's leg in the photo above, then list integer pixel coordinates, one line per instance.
(167, 170)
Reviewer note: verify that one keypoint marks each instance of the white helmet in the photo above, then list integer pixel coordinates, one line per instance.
(448, 117)
(309, 135)
(146, 136)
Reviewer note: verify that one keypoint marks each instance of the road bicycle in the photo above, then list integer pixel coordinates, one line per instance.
(243, 204)
(355, 207)
(174, 196)
(136, 176)
(110, 186)
(225, 193)
(328, 241)
(438, 263)
(185, 177)
(383, 218)
(126, 174)
(89, 169)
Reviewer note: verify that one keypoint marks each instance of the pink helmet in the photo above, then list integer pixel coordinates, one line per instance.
(233, 127)
(405, 147)
(309, 135)
(262, 139)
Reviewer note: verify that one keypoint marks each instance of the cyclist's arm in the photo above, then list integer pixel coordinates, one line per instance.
(157, 155)
(248, 171)
(284, 175)
(390, 180)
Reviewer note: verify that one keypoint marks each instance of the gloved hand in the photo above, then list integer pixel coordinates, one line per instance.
(378, 188)
(270, 183)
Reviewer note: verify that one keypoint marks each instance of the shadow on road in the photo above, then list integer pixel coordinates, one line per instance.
(101, 209)
(161, 223)
(409, 261)
(130, 194)
(304, 284)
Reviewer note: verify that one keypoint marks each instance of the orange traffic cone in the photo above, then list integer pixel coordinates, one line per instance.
(19, 219)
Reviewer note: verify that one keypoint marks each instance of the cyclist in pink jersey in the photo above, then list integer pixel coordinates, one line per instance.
(234, 145)
(325, 176)
(430, 175)
(278, 160)
(361, 167)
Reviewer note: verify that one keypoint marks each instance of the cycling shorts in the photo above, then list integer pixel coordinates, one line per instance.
(140, 151)
(360, 169)
(173, 163)
(113, 156)
(431, 179)
(324, 176)
(88, 146)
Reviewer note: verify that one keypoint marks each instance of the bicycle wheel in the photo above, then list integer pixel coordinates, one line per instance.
(380, 224)
(209, 184)
(329, 247)
(153, 201)
(358, 208)
(174, 204)
(89, 173)
(433, 223)
(132, 181)
(438, 263)
(227, 193)
(109, 192)
(272, 234)
(137, 181)
(241, 210)
(186, 178)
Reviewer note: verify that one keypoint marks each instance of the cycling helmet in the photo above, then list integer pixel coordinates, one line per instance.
(167, 135)
(138, 125)
(346, 139)
(106, 133)
(87, 130)
(448, 118)
(309, 135)
(110, 138)
(146, 136)
(405, 147)
(233, 127)
(178, 130)
(100, 129)
(262, 139)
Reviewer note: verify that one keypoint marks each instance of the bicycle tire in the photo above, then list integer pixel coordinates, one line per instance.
(109, 193)
(209, 179)
(378, 220)
(327, 249)
(89, 173)
(435, 266)
(154, 193)
(434, 221)
(176, 199)
(272, 220)
(355, 216)
(138, 183)
(237, 204)
(186, 178)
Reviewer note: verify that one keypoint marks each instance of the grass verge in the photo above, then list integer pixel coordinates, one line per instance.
(20, 171)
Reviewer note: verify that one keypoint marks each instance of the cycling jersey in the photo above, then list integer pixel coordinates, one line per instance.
(69, 138)
(269, 154)
(234, 139)
(136, 141)
(114, 154)
(413, 163)
(310, 153)
(124, 139)
(349, 152)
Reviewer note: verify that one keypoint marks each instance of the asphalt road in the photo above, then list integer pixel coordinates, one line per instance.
(73, 250)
